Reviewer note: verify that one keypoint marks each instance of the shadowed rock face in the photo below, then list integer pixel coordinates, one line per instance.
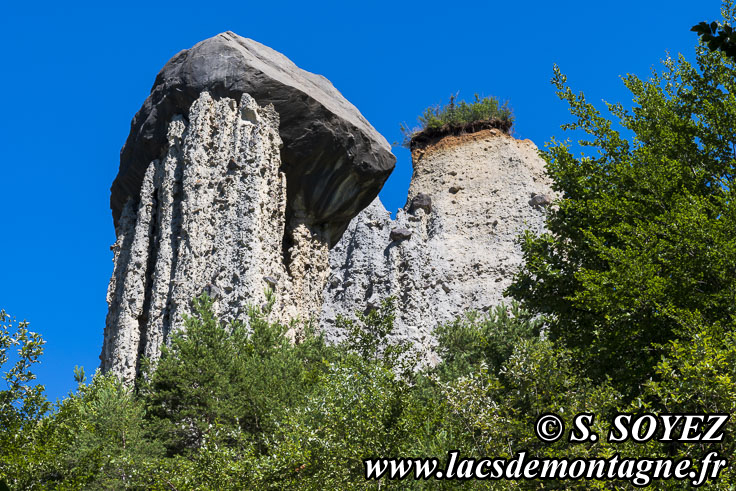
(335, 162)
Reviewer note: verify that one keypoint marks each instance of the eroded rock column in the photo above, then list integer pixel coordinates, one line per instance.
(201, 201)
(453, 247)
(210, 217)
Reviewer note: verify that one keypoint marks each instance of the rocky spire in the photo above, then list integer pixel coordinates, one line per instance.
(452, 248)
(239, 173)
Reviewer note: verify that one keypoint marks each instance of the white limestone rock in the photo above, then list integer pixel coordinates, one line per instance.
(211, 216)
(461, 255)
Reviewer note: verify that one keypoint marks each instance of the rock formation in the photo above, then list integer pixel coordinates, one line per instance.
(453, 246)
(335, 161)
(241, 173)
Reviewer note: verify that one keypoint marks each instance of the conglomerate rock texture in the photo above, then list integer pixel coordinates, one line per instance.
(453, 246)
(210, 217)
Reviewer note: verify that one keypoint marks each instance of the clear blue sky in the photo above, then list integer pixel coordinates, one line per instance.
(74, 76)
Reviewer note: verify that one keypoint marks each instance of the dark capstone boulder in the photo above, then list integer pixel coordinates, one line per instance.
(421, 201)
(335, 161)
(400, 234)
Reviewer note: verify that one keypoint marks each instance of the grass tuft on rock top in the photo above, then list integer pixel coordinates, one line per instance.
(458, 117)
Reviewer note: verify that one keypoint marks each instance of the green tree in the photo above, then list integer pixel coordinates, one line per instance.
(22, 403)
(719, 36)
(642, 239)
(694, 375)
(357, 409)
(97, 438)
(497, 410)
(221, 383)
(491, 338)
(355, 412)
(370, 337)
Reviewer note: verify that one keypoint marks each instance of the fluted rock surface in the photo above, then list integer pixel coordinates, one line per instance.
(456, 250)
(239, 172)
(210, 217)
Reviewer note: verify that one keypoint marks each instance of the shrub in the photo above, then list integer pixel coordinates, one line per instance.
(222, 383)
(244, 408)
(96, 439)
(459, 117)
(490, 338)
(694, 376)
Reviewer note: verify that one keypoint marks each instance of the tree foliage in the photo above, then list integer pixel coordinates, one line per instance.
(22, 403)
(223, 383)
(321, 410)
(642, 239)
(491, 338)
(719, 35)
